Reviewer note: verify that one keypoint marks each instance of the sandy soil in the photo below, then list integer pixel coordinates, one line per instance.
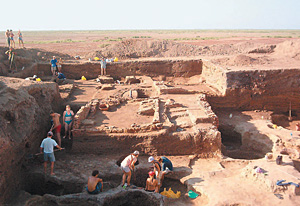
(253, 49)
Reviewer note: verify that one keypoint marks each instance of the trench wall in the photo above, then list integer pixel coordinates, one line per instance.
(205, 143)
(24, 121)
(271, 89)
(91, 70)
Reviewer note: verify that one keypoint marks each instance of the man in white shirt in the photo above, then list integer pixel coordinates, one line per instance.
(47, 148)
(127, 165)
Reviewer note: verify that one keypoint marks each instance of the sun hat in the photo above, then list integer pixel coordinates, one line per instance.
(192, 194)
(151, 173)
(136, 152)
(150, 159)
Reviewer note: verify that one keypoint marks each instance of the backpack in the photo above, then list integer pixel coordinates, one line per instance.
(120, 160)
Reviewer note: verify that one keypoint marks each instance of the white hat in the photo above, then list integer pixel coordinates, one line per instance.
(150, 159)
(50, 134)
(136, 152)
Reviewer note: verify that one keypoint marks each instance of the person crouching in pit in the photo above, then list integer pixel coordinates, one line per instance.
(151, 183)
(127, 165)
(95, 184)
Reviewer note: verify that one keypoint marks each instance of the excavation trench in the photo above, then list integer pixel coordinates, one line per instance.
(246, 145)
(39, 184)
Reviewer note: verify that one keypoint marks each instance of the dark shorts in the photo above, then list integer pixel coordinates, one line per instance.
(49, 157)
(97, 189)
(58, 129)
(150, 190)
(166, 165)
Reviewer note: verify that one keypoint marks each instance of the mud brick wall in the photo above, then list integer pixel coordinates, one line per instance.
(81, 115)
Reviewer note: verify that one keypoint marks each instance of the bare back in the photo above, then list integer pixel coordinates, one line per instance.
(92, 182)
(55, 118)
(151, 184)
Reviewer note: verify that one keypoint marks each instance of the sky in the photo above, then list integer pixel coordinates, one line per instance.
(154, 14)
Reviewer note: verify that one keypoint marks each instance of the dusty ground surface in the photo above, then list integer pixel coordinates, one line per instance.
(228, 180)
(234, 48)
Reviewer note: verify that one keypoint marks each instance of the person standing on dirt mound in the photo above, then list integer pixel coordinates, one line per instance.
(53, 65)
(7, 35)
(46, 147)
(56, 125)
(103, 66)
(12, 41)
(127, 165)
(20, 38)
(95, 184)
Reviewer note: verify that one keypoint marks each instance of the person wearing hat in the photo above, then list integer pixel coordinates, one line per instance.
(157, 169)
(127, 165)
(151, 183)
(53, 65)
(47, 148)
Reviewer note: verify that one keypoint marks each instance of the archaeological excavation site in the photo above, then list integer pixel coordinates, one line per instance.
(222, 113)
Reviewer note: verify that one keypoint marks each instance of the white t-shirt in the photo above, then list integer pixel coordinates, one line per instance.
(128, 161)
(48, 145)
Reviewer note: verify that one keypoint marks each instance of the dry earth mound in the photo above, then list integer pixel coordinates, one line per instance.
(289, 49)
(24, 119)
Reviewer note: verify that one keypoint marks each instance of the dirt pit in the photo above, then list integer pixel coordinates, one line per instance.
(39, 184)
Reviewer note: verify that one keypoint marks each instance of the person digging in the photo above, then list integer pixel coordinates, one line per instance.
(127, 165)
(46, 148)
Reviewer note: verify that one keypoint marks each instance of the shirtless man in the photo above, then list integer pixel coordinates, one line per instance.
(56, 125)
(95, 184)
(7, 35)
(151, 183)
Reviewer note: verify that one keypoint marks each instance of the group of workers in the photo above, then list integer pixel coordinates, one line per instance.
(48, 143)
(161, 166)
(56, 68)
(10, 38)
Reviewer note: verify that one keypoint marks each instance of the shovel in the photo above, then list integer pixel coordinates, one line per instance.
(31, 156)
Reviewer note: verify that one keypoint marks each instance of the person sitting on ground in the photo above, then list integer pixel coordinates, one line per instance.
(20, 38)
(7, 35)
(103, 66)
(12, 39)
(67, 120)
(151, 183)
(53, 65)
(47, 148)
(166, 166)
(95, 184)
(56, 125)
(127, 165)
(157, 170)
